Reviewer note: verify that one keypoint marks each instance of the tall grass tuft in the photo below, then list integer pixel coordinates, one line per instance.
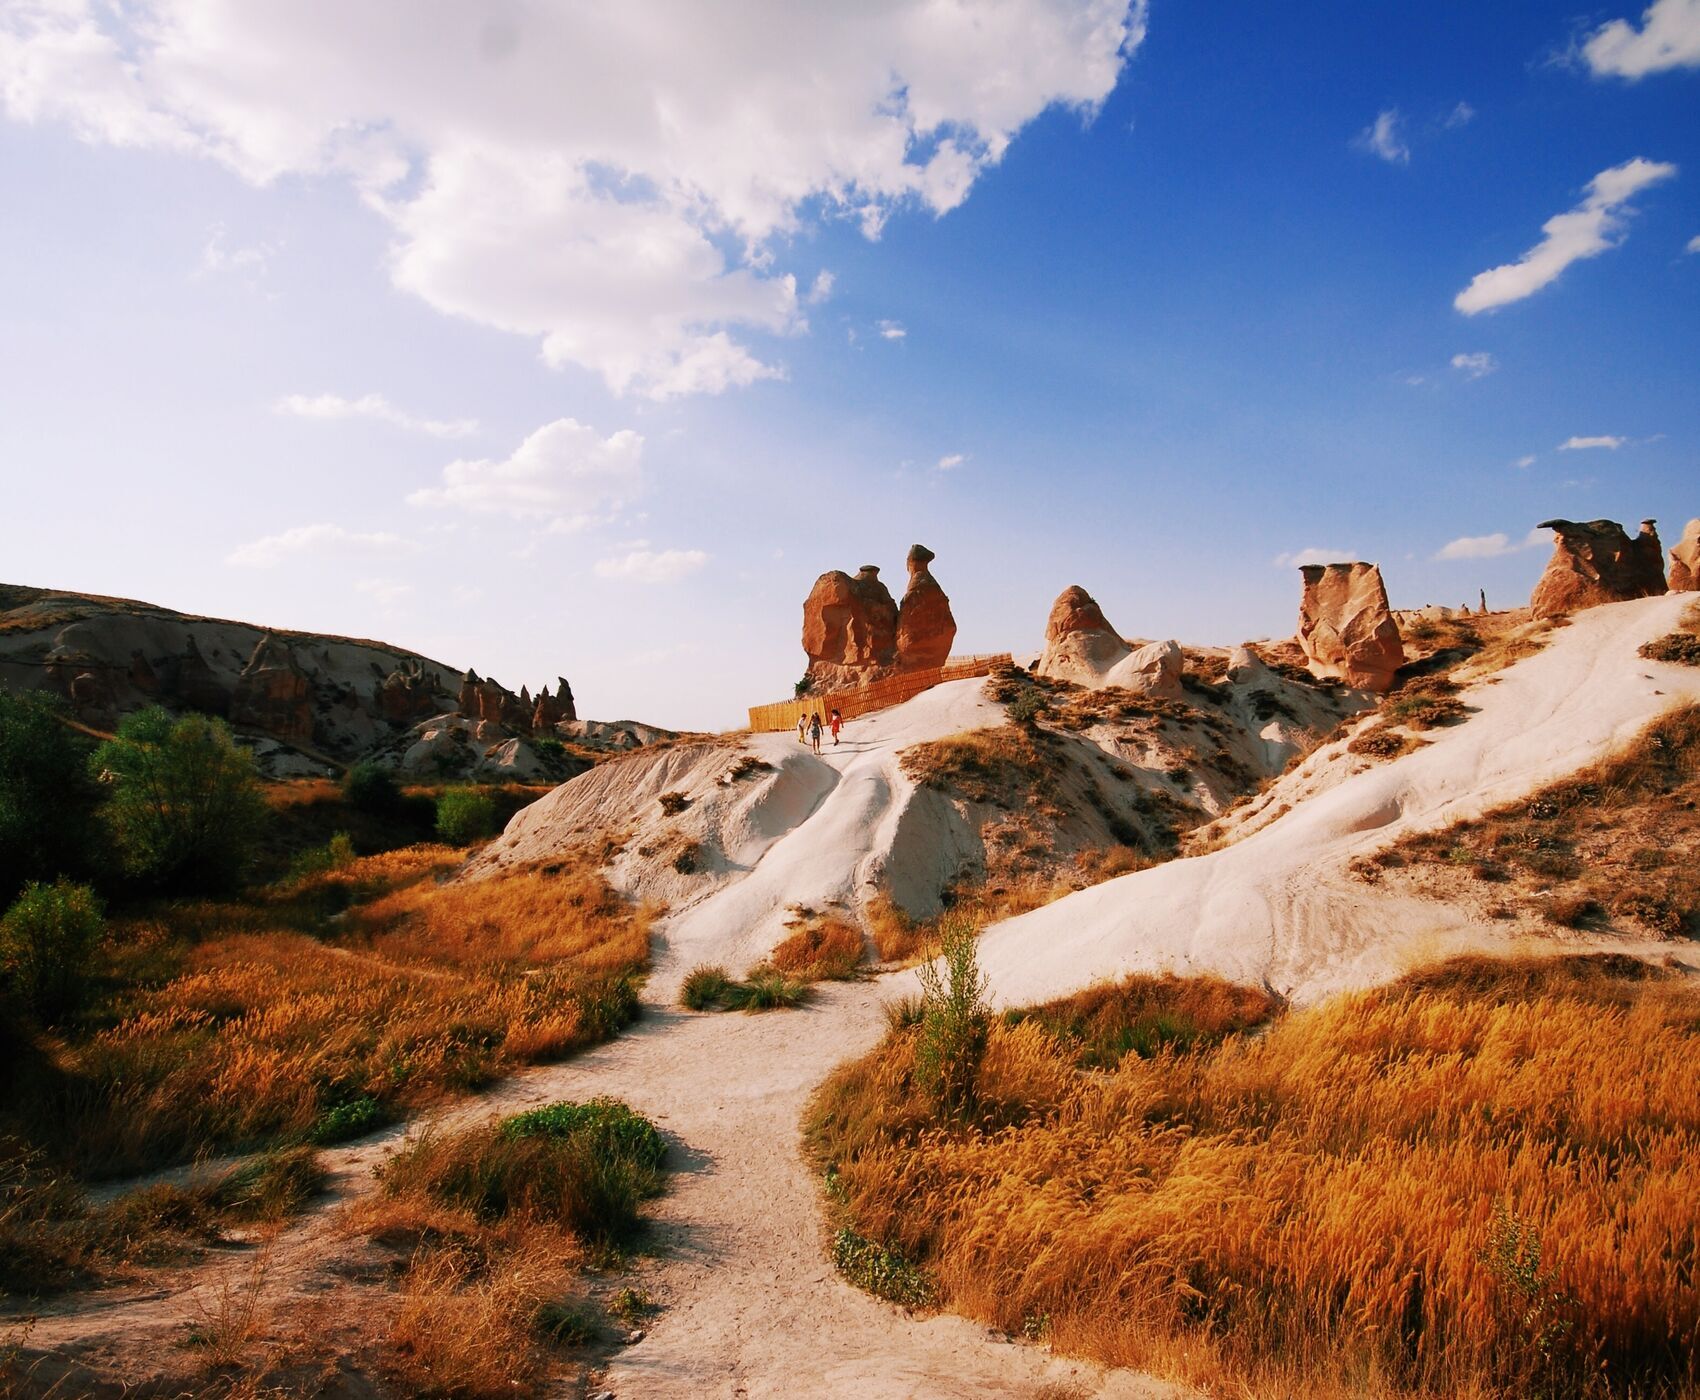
(955, 1020)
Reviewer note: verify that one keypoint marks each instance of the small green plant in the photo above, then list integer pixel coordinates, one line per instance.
(883, 1272)
(370, 787)
(632, 1306)
(549, 748)
(767, 989)
(606, 1004)
(320, 860)
(705, 988)
(1027, 706)
(955, 1019)
(465, 815)
(1542, 1314)
(608, 1127)
(348, 1120)
(904, 1013)
(565, 1324)
(47, 941)
(803, 687)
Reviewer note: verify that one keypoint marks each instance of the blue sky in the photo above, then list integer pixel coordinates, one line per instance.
(1176, 288)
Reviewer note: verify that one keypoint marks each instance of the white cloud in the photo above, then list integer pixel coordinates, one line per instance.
(618, 189)
(1576, 444)
(651, 566)
(821, 288)
(1475, 365)
(1297, 559)
(891, 330)
(1461, 115)
(219, 256)
(271, 550)
(1669, 37)
(1526, 461)
(564, 469)
(386, 592)
(374, 406)
(1489, 546)
(1589, 229)
(1381, 138)
(1693, 245)
(952, 461)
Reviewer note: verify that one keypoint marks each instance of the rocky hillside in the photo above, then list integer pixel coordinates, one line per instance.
(308, 703)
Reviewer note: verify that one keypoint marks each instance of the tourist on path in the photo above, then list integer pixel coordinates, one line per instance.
(802, 729)
(814, 733)
(836, 725)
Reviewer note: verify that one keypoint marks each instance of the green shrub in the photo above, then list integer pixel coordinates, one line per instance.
(767, 989)
(705, 988)
(318, 860)
(955, 1019)
(46, 797)
(47, 941)
(184, 803)
(465, 815)
(586, 1166)
(370, 787)
(549, 748)
(606, 1005)
(880, 1271)
(1027, 706)
(348, 1120)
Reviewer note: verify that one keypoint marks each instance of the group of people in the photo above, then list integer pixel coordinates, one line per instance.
(809, 727)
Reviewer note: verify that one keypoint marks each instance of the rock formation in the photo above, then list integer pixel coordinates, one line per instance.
(1346, 628)
(407, 695)
(925, 627)
(195, 686)
(1685, 560)
(855, 633)
(273, 694)
(1082, 647)
(1596, 562)
(554, 709)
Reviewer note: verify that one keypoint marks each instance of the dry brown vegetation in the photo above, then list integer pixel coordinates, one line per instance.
(1613, 842)
(1484, 1180)
(315, 1010)
(822, 947)
(1682, 647)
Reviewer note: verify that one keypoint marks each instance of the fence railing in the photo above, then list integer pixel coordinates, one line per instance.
(863, 700)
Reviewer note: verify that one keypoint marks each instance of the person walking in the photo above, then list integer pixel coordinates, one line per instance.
(803, 728)
(836, 725)
(814, 733)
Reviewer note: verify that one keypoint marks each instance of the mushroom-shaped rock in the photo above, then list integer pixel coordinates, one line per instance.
(1346, 628)
(925, 626)
(1595, 562)
(1080, 644)
(1685, 560)
(194, 684)
(273, 694)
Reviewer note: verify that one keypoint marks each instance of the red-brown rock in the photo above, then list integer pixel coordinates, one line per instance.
(1685, 560)
(1595, 562)
(554, 709)
(925, 626)
(273, 694)
(1346, 628)
(849, 624)
(407, 696)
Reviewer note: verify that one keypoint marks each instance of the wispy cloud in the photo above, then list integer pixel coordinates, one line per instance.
(1461, 115)
(651, 566)
(1525, 461)
(1475, 365)
(218, 256)
(1382, 138)
(1577, 444)
(821, 288)
(1489, 546)
(951, 461)
(1693, 244)
(385, 592)
(565, 469)
(1298, 558)
(1669, 37)
(373, 406)
(1586, 231)
(271, 550)
(891, 330)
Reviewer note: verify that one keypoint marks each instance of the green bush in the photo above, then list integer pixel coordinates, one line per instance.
(370, 787)
(705, 988)
(318, 860)
(880, 1271)
(349, 1120)
(46, 798)
(607, 1126)
(955, 1019)
(1027, 706)
(465, 815)
(184, 803)
(47, 941)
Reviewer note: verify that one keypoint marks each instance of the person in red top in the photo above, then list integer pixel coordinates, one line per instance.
(836, 724)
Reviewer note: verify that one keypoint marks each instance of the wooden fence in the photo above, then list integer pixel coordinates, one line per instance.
(864, 700)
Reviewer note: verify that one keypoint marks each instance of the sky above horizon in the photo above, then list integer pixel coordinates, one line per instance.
(579, 339)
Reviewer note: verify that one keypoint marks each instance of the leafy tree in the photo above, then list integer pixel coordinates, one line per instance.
(47, 939)
(184, 802)
(46, 798)
(370, 787)
(464, 815)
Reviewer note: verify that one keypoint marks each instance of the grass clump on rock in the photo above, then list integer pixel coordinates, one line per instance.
(765, 989)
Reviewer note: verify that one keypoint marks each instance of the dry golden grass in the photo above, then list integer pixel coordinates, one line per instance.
(1002, 765)
(1611, 842)
(1484, 1181)
(822, 948)
(234, 1028)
